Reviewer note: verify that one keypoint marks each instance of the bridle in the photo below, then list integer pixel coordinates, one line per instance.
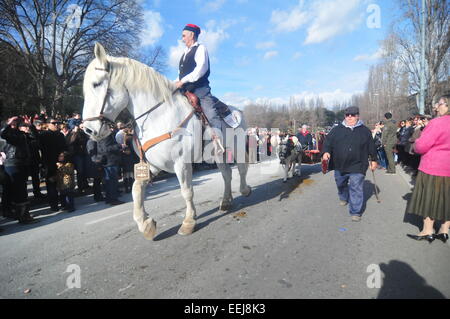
(150, 143)
(101, 117)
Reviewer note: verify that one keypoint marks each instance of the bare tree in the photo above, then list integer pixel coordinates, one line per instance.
(55, 37)
(437, 55)
(155, 58)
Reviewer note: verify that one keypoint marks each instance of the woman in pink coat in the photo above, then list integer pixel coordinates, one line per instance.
(431, 195)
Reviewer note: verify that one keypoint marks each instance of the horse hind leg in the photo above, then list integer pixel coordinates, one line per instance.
(245, 189)
(184, 175)
(146, 225)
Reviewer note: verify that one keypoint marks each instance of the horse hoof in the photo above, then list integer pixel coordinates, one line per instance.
(186, 229)
(149, 229)
(247, 192)
(225, 206)
(284, 180)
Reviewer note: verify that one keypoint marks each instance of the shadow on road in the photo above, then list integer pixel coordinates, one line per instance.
(85, 205)
(402, 282)
(260, 193)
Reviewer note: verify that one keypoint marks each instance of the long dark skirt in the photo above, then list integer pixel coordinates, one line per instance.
(431, 197)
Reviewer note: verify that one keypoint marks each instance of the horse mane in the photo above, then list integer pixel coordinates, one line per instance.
(138, 76)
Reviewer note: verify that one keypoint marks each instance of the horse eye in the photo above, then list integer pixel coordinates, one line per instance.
(97, 84)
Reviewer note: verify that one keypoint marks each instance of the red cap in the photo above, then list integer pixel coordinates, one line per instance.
(192, 27)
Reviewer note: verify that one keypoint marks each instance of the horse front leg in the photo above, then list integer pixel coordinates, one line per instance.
(299, 166)
(184, 175)
(227, 199)
(286, 169)
(146, 225)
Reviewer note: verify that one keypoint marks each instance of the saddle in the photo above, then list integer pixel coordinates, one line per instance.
(195, 103)
(232, 118)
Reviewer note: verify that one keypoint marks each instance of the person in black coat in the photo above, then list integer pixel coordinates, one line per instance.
(76, 143)
(95, 168)
(112, 151)
(349, 147)
(129, 159)
(16, 166)
(403, 142)
(52, 143)
(305, 138)
(35, 161)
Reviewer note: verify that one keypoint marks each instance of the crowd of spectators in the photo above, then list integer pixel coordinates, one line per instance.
(56, 150)
(397, 148)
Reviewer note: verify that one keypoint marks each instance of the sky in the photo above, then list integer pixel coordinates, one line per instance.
(272, 51)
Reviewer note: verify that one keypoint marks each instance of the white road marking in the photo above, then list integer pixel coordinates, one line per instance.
(108, 217)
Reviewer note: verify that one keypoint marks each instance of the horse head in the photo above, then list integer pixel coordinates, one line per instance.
(104, 97)
(285, 148)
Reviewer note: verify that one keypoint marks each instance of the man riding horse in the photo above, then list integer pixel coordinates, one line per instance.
(194, 70)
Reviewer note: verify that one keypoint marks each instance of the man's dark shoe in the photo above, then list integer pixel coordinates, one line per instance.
(27, 219)
(99, 199)
(24, 216)
(9, 213)
(40, 196)
(54, 209)
(116, 202)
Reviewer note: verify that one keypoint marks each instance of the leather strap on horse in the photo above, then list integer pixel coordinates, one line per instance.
(154, 141)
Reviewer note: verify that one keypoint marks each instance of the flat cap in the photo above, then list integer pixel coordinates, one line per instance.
(352, 110)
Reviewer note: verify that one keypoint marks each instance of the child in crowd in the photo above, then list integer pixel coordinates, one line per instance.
(65, 182)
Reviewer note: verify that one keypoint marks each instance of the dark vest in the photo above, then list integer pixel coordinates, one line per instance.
(187, 66)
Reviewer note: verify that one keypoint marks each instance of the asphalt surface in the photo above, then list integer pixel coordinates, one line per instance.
(288, 240)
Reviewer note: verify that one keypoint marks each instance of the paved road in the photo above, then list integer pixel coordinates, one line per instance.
(286, 241)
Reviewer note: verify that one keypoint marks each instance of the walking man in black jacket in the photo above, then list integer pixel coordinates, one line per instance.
(349, 147)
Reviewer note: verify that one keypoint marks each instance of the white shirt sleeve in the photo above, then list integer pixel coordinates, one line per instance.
(202, 61)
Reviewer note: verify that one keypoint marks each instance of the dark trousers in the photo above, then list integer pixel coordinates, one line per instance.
(390, 159)
(111, 182)
(207, 100)
(52, 194)
(382, 157)
(18, 176)
(35, 179)
(80, 162)
(350, 189)
(66, 198)
(97, 188)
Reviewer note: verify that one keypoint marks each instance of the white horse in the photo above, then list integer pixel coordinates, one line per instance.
(290, 154)
(113, 84)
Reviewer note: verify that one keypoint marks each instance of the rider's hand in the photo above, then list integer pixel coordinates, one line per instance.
(179, 84)
(326, 156)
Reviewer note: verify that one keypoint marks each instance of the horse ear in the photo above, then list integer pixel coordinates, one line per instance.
(100, 53)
